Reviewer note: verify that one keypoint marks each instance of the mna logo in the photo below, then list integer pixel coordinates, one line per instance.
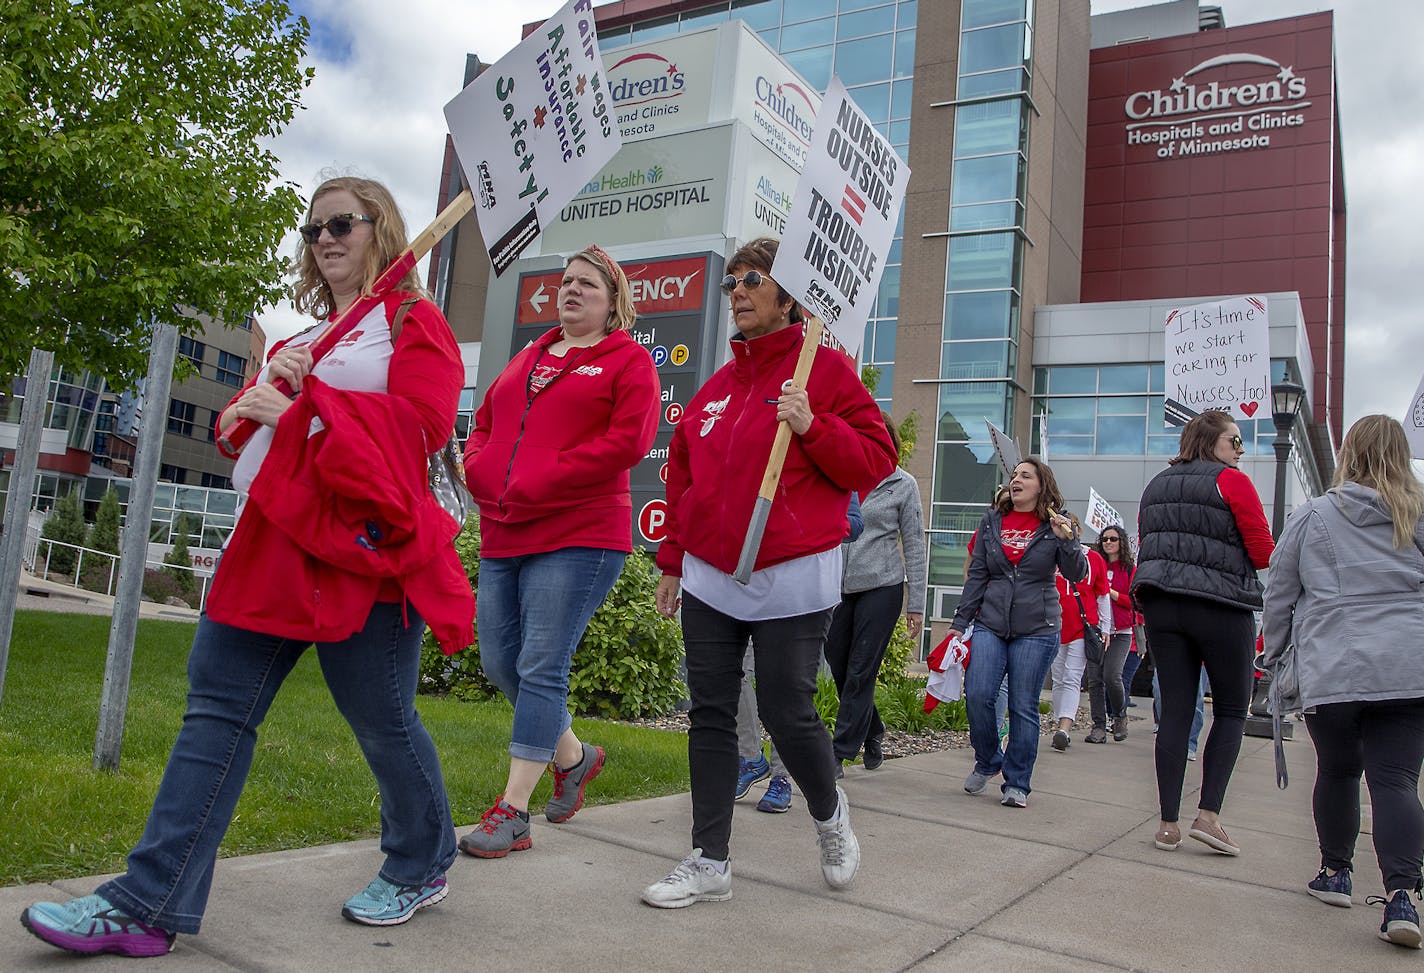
(486, 185)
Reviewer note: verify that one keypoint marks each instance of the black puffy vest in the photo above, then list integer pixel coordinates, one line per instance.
(1190, 544)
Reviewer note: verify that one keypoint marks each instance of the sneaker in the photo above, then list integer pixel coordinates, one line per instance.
(1191, 755)
(1096, 735)
(874, 754)
(1332, 889)
(1013, 797)
(840, 852)
(384, 903)
(501, 831)
(749, 772)
(569, 784)
(1061, 741)
(976, 782)
(92, 925)
(695, 879)
(1401, 922)
(777, 799)
(1119, 728)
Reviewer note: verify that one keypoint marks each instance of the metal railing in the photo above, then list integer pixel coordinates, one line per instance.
(39, 551)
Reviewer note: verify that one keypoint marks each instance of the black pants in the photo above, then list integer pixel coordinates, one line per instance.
(1187, 633)
(788, 654)
(855, 646)
(1385, 742)
(1103, 677)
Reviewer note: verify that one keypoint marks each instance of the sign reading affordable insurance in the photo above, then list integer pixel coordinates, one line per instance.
(1218, 357)
(531, 130)
(842, 218)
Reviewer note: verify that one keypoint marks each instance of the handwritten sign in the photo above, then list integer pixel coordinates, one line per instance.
(532, 130)
(1414, 423)
(1218, 357)
(842, 218)
(1101, 514)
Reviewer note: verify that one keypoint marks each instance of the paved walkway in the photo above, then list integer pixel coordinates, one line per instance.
(948, 882)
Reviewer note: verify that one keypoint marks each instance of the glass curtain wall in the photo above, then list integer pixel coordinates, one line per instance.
(983, 271)
(870, 45)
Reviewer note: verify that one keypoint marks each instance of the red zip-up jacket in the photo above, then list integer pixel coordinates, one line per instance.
(549, 470)
(1094, 586)
(720, 448)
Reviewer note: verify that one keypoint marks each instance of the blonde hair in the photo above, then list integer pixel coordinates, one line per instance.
(312, 294)
(623, 314)
(1375, 454)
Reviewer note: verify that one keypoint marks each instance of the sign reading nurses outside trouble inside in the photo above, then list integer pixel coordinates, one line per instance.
(1218, 357)
(843, 218)
(533, 129)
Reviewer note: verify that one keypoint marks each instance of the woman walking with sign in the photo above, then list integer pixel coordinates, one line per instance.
(338, 542)
(548, 462)
(839, 445)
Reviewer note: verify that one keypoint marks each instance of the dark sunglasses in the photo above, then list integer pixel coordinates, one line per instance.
(1112, 537)
(1236, 442)
(338, 226)
(751, 279)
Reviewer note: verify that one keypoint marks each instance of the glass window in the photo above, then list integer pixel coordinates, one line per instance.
(888, 298)
(948, 552)
(230, 369)
(1119, 435)
(975, 359)
(981, 13)
(797, 10)
(1122, 378)
(1121, 405)
(758, 14)
(982, 262)
(655, 29)
(884, 347)
(988, 127)
(1154, 378)
(874, 100)
(863, 61)
(965, 472)
(900, 95)
(993, 83)
(859, 4)
(191, 349)
(899, 135)
(877, 21)
(981, 315)
(963, 407)
(981, 180)
(992, 47)
(904, 54)
(1073, 379)
(814, 64)
(694, 21)
(180, 417)
(908, 12)
(1162, 445)
(772, 35)
(1065, 408)
(984, 216)
(171, 473)
(809, 34)
(1060, 445)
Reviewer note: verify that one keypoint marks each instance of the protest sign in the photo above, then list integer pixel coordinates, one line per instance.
(1100, 513)
(532, 130)
(1414, 423)
(1005, 448)
(1218, 356)
(842, 218)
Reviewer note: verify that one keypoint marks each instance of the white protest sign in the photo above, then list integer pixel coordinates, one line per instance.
(1414, 422)
(1218, 357)
(1005, 448)
(533, 129)
(842, 218)
(1100, 513)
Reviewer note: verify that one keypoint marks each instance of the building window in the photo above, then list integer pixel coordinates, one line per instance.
(231, 368)
(192, 349)
(216, 480)
(180, 417)
(172, 474)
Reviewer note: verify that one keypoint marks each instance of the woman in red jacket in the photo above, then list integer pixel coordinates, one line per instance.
(548, 464)
(1073, 655)
(279, 588)
(715, 466)
(1109, 683)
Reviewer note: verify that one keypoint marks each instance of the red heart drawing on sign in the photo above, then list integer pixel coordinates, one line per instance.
(1250, 408)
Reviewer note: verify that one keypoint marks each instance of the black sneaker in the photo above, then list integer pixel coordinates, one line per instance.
(1096, 735)
(874, 755)
(1061, 741)
(1401, 922)
(1332, 889)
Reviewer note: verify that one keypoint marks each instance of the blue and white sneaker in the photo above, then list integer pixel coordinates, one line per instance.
(1401, 921)
(384, 903)
(777, 799)
(749, 772)
(1332, 889)
(92, 925)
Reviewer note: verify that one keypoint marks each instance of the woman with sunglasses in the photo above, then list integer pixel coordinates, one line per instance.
(339, 543)
(1104, 678)
(548, 462)
(1203, 538)
(715, 466)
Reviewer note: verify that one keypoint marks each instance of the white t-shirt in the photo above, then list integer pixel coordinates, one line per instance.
(796, 587)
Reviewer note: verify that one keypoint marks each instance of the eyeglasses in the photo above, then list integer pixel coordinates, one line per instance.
(338, 226)
(1236, 442)
(1110, 539)
(751, 279)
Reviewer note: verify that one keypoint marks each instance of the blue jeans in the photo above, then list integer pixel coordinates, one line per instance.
(532, 612)
(1026, 660)
(233, 676)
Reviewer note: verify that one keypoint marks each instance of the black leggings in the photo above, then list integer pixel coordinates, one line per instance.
(1385, 742)
(855, 647)
(1187, 633)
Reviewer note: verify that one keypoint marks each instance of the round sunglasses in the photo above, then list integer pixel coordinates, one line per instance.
(338, 226)
(752, 279)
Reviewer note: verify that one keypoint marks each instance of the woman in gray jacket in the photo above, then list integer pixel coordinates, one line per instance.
(889, 550)
(1346, 595)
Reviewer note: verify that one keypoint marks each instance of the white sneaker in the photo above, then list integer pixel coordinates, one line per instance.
(695, 879)
(840, 852)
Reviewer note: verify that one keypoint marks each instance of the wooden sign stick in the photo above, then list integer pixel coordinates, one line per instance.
(762, 511)
(235, 436)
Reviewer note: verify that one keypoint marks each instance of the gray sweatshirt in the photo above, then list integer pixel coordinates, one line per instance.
(893, 522)
(1349, 600)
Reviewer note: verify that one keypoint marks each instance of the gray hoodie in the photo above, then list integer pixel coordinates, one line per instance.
(1349, 600)
(891, 549)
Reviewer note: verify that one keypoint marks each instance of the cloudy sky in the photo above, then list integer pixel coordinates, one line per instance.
(384, 73)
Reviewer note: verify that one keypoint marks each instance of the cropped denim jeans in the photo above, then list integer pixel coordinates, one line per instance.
(533, 610)
(1026, 660)
(233, 676)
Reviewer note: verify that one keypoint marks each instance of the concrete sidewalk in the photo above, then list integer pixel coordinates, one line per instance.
(947, 882)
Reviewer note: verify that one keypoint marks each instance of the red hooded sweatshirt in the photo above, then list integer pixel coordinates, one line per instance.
(1090, 589)
(549, 468)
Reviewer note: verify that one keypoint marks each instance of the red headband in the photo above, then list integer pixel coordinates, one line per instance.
(608, 263)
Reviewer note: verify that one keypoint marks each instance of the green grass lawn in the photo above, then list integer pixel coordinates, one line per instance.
(309, 784)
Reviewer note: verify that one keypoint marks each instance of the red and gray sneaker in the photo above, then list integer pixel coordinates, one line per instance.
(569, 784)
(501, 831)
(92, 925)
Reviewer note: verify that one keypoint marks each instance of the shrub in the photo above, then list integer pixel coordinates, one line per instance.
(180, 558)
(897, 655)
(159, 585)
(626, 666)
(66, 525)
(96, 574)
(104, 536)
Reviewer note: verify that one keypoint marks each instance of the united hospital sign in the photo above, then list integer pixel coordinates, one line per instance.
(1195, 116)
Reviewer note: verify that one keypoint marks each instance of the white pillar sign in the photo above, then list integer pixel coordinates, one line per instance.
(1218, 357)
(533, 129)
(1414, 423)
(842, 218)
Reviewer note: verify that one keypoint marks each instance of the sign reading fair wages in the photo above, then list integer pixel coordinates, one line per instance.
(1218, 357)
(533, 129)
(842, 218)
